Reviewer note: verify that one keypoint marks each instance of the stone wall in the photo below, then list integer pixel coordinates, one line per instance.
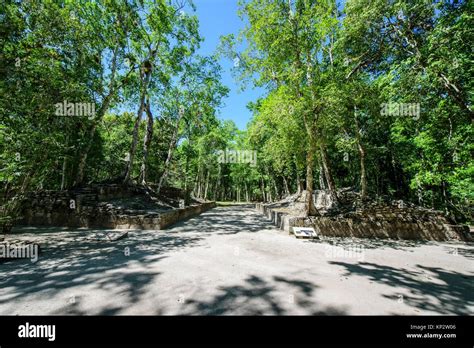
(173, 216)
(157, 221)
(382, 222)
(90, 208)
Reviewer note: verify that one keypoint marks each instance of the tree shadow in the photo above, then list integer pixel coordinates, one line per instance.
(465, 249)
(224, 221)
(279, 296)
(462, 250)
(431, 288)
(371, 243)
(71, 258)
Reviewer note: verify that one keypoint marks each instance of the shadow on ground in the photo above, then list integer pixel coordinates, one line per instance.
(256, 296)
(235, 221)
(455, 247)
(73, 258)
(431, 288)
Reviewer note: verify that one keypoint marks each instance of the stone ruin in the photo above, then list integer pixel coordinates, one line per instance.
(372, 219)
(108, 206)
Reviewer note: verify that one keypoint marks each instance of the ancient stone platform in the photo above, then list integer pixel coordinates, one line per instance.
(104, 206)
(394, 220)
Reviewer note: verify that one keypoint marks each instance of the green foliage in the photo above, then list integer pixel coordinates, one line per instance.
(329, 70)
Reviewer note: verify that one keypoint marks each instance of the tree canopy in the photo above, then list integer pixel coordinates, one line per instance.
(371, 95)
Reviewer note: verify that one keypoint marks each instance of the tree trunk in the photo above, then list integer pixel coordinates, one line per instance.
(322, 183)
(199, 182)
(299, 182)
(285, 186)
(146, 142)
(170, 153)
(133, 146)
(83, 158)
(131, 155)
(310, 131)
(100, 114)
(328, 173)
(445, 196)
(363, 174)
(207, 185)
(277, 194)
(187, 191)
(310, 207)
(218, 190)
(269, 193)
(63, 173)
(196, 186)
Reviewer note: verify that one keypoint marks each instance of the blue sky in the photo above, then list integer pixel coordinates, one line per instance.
(216, 18)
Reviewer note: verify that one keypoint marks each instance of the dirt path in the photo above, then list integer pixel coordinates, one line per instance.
(230, 260)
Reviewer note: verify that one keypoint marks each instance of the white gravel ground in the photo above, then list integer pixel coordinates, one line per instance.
(231, 261)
